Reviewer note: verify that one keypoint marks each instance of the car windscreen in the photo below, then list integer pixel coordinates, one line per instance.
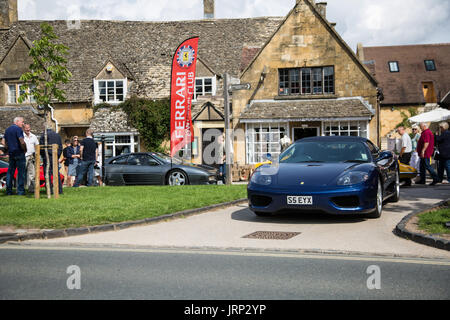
(326, 151)
(165, 158)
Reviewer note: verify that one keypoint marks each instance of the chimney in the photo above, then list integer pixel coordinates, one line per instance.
(322, 8)
(8, 13)
(208, 9)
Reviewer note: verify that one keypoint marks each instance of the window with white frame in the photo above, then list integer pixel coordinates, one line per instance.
(110, 91)
(264, 138)
(205, 87)
(346, 128)
(122, 144)
(15, 90)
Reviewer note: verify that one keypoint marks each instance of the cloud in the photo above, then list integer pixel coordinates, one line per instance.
(381, 22)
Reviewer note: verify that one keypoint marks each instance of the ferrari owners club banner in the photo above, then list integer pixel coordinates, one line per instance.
(182, 91)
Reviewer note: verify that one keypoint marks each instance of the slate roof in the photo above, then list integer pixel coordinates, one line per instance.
(145, 49)
(307, 110)
(405, 87)
(30, 115)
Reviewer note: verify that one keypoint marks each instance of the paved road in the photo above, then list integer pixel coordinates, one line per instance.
(225, 228)
(106, 273)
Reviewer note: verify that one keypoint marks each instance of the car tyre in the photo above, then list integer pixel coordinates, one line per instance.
(177, 178)
(396, 196)
(379, 206)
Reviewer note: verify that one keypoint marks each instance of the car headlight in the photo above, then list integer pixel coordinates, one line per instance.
(261, 179)
(352, 177)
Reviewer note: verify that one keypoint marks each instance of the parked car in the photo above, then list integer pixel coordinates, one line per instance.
(334, 175)
(155, 169)
(4, 170)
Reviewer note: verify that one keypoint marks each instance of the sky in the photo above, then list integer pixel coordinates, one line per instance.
(371, 22)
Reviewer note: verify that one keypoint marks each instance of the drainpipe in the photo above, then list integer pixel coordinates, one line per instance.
(53, 117)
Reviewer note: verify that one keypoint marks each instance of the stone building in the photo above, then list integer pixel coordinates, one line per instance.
(413, 79)
(305, 82)
(305, 79)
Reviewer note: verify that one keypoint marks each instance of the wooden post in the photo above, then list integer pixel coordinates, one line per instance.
(37, 178)
(55, 170)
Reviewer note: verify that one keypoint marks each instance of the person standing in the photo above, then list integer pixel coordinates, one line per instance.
(52, 138)
(74, 156)
(65, 160)
(425, 148)
(98, 165)
(88, 153)
(415, 160)
(14, 142)
(406, 148)
(32, 141)
(443, 142)
(285, 142)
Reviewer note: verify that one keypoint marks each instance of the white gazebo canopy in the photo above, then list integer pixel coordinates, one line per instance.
(436, 115)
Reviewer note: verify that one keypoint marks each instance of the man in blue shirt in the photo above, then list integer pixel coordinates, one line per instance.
(89, 154)
(14, 141)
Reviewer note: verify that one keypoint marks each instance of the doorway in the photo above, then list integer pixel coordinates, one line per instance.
(301, 133)
(428, 92)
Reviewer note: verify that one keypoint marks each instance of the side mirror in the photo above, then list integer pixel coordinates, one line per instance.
(385, 155)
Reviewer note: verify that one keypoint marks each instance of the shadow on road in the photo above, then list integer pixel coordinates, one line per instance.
(247, 215)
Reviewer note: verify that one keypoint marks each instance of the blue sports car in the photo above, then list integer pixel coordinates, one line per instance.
(334, 175)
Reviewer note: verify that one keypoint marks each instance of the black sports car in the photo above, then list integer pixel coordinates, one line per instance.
(155, 169)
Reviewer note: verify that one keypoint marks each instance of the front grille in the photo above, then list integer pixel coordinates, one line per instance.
(346, 202)
(261, 201)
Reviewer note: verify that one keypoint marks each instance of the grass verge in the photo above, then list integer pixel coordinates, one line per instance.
(434, 221)
(82, 207)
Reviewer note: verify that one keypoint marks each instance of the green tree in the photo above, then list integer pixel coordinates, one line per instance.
(151, 118)
(46, 74)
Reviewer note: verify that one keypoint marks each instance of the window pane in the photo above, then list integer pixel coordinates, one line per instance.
(317, 80)
(393, 66)
(102, 84)
(119, 98)
(430, 65)
(284, 81)
(12, 93)
(208, 82)
(119, 84)
(110, 84)
(328, 78)
(306, 81)
(294, 81)
(103, 98)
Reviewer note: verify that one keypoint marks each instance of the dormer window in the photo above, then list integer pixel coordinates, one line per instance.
(110, 91)
(15, 90)
(205, 86)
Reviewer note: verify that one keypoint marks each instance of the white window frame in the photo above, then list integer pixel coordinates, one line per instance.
(133, 142)
(17, 89)
(255, 154)
(213, 84)
(363, 128)
(115, 102)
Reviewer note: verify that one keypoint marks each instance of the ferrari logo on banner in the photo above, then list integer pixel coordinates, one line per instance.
(182, 92)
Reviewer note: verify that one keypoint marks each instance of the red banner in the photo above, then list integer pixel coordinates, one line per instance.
(182, 92)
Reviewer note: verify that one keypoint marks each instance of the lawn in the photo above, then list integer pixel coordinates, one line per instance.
(81, 207)
(434, 221)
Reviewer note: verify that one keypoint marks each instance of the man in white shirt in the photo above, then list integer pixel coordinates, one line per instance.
(285, 142)
(406, 150)
(31, 141)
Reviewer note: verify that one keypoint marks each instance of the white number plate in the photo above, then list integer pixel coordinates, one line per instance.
(300, 200)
